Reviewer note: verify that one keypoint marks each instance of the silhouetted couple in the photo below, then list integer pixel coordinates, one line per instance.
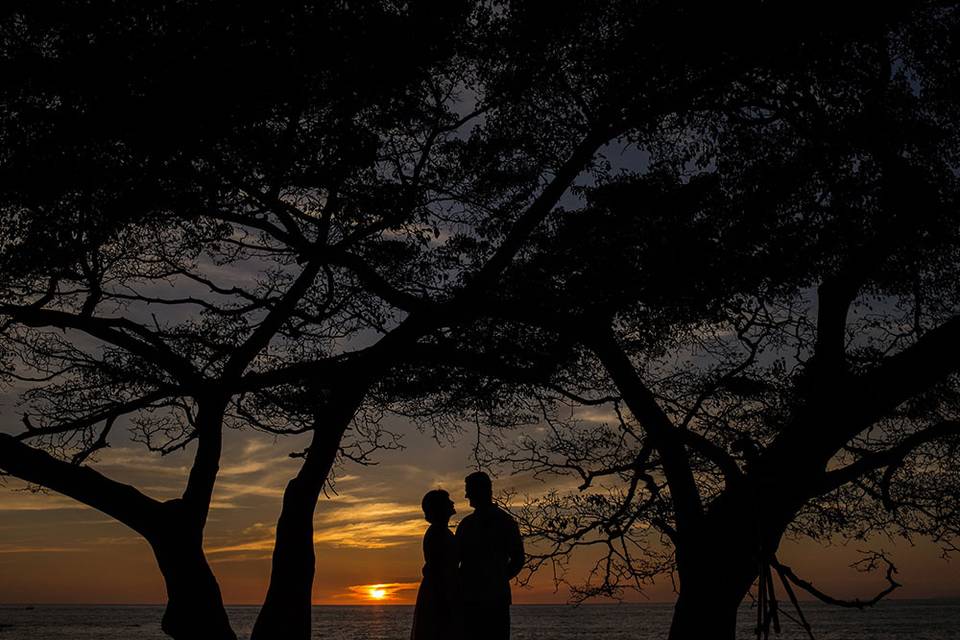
(465, 592)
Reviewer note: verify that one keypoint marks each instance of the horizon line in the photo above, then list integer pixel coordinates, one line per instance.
(410, 604)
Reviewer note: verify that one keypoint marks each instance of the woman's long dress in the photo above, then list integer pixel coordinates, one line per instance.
(438, 611)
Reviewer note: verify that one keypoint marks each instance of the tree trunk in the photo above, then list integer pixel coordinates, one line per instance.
(194, 603)
(174, 528)
(287, 609)
(719, 562)
(195, 608)
(707, 606)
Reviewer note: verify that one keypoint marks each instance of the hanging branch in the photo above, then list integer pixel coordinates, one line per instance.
(768, 611)
(866, 564)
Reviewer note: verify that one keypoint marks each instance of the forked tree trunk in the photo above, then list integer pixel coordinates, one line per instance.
(287, 608)
(717, 566)
(195, 608)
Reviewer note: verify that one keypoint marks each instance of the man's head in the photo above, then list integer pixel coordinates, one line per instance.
(479, 489)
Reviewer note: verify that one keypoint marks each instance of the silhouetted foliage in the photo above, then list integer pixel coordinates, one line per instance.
(216, 214)
(193, 197)
(767, 319)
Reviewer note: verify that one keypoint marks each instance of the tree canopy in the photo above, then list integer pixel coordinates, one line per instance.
(222, 215)
(767, 316)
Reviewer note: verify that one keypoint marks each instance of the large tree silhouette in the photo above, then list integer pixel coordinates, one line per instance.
(222, 215)
(206, 207)
(190, 192)
(767, 318)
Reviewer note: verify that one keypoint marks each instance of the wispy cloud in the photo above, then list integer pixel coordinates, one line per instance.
(359, 511)
(596, 414)
(231, 490)
(245, 468)
(4, 549)
(376, 535)
(263, 544)
(30, 501)
(361, 535)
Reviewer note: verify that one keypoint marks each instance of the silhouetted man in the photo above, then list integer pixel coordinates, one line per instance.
(491, 553)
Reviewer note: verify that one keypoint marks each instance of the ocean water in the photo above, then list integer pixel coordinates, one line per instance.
(895, 619)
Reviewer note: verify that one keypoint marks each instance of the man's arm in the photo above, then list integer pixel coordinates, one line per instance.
(514, 549)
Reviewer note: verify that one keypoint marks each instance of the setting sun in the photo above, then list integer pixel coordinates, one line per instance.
(381, 593)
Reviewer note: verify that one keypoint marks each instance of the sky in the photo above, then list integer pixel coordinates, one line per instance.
(54, 550)
(367, 533)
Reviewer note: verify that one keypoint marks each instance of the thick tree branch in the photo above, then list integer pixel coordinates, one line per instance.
(663, 435)
(440, 355)
(256, 223)
(535, 213)
(786, 573)
(377, 283)
(834, 297)
(146, 344)
(927, 362)
(281, 312)
(322, 372)
(110, 412)
(117, 500)
(198, 492)
(284, 211)
(892, 456)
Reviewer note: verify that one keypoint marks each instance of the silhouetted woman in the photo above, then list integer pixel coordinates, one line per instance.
(438, 613)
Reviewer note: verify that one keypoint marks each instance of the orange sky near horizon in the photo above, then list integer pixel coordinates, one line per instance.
(54, 550)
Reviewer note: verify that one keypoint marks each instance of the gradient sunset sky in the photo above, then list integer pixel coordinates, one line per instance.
(54, 550)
